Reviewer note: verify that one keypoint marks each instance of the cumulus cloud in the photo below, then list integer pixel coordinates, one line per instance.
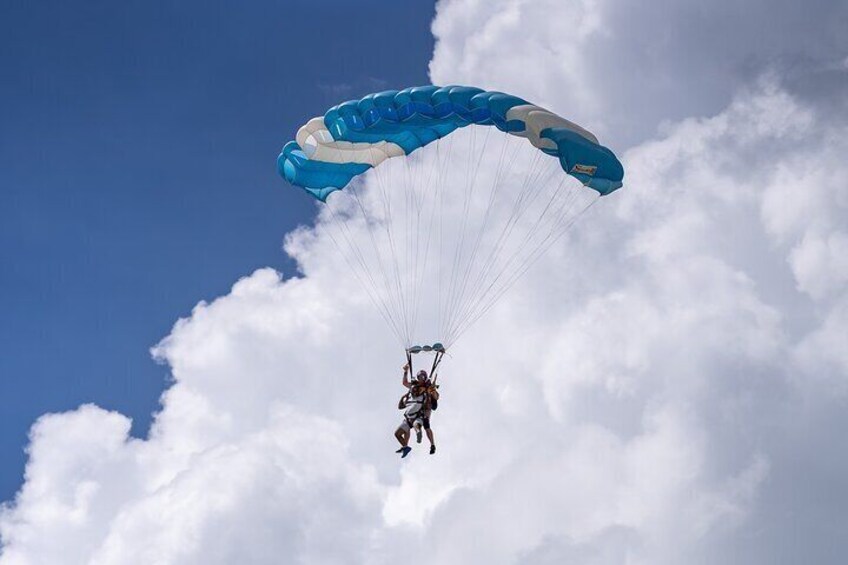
(625, 68)
(667, 385)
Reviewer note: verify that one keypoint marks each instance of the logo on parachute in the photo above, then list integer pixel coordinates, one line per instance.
(585, 169)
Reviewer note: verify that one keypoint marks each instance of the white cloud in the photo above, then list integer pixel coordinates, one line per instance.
(642, 396)
(625, 67)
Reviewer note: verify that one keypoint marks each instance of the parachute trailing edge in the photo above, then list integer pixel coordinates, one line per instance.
(357, 135)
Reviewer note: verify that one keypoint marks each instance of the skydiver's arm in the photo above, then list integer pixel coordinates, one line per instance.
(434, 392)
(406, 382)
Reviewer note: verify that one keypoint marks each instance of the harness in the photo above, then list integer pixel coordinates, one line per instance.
(415, 402)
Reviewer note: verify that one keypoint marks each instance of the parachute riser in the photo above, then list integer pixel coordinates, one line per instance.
(436, 360)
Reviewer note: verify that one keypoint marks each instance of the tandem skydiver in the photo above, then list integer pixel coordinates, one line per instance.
(418, 402)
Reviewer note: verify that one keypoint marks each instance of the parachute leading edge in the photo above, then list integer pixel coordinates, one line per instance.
(360, 134)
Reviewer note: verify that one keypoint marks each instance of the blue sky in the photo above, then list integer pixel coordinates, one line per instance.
(137, 175)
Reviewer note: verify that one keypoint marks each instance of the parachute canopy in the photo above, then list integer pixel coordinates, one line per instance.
(357, 135)
(436, 215)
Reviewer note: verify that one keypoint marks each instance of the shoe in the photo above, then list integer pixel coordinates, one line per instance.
(432, 449)
(418, 435)
(399, 450)
(405, 451)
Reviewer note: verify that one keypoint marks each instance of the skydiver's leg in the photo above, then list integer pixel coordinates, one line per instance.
(402, 434)
(429, 431)
(402, 437)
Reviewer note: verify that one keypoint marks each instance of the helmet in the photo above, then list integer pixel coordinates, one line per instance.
(422, 374)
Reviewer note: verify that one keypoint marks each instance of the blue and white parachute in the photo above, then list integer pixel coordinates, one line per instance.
(523, 207)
